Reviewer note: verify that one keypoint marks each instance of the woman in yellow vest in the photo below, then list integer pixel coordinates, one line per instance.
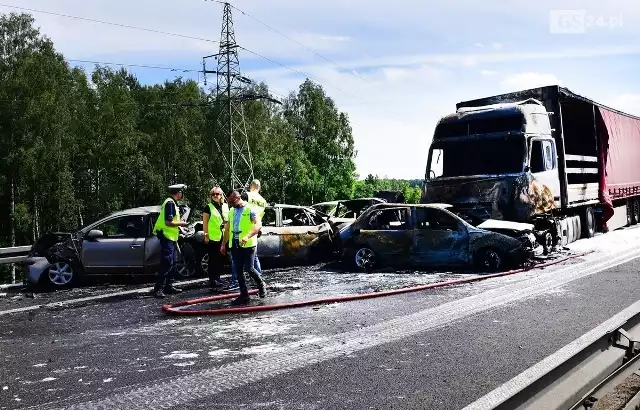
(214, 215)
(241, 238)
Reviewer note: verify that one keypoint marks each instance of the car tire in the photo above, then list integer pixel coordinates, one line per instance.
(489, 260)
(60, 275)
(364, 259)
(187, 262)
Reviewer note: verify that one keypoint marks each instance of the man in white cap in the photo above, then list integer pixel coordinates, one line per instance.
(167, 229)
(258, 203)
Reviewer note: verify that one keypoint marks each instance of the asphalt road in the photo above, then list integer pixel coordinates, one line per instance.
(437, 349)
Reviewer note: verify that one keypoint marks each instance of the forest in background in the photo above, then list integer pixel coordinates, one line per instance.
(79, 145)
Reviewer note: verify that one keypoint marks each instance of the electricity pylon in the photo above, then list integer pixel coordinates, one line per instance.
(230, 124)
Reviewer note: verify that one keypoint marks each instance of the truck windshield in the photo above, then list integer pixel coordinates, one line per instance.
(476, 157)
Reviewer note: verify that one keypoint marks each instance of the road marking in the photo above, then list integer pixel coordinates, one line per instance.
(71, 302)
(199, 385)
(535, 372)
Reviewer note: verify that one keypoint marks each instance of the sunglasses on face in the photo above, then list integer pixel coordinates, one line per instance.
(215, 194)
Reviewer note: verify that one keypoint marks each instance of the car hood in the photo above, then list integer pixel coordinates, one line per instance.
(506, 227)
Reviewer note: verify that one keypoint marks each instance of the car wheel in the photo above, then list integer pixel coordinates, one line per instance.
(60, 274)
(204, 263)
(364, 259)
(489, 260)
(184, 270)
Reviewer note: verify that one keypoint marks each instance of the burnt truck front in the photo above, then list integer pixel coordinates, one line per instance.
(494, 162)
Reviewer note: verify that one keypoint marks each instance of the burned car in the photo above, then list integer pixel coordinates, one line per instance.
(290, 235)
(121, 243)
(348, 210)
(430, 236)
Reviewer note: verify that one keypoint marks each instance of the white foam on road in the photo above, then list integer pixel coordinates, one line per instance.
(201, 384)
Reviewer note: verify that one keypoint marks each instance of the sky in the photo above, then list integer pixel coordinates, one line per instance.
(395, 67)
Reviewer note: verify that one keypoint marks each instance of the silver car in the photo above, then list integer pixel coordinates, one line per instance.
(121, 243)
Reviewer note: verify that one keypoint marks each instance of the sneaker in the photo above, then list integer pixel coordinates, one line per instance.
(172, 290)
(233, 286)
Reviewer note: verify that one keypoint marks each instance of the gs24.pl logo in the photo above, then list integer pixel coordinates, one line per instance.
(578, 21)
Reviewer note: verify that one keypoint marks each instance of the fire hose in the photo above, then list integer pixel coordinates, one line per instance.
(174, 308)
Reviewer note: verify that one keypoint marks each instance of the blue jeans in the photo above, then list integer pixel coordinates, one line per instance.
(243, 259)
(168, 264)
(256, 265)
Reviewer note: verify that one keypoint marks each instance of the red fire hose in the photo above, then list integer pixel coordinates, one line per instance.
(173, 308)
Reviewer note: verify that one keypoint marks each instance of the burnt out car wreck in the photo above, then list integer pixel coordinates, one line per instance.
(428, 236)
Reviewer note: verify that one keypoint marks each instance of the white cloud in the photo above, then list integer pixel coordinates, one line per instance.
(629, 103)
(529, 79)
(402, 67)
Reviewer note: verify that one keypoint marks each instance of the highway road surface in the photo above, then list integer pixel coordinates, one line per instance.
(438, 349)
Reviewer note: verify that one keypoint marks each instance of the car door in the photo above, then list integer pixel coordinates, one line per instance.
(121, 249)
(298, 232)
(153, 248)
(269, 244)
(440, 239)
(388, 232)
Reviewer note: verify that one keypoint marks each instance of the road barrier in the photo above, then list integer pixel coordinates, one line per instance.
(14, 254)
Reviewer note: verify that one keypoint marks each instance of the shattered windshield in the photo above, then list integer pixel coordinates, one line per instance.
(476, 157)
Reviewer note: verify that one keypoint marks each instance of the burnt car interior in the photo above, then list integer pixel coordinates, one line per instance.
(429, 218)
(298, 217)
(389, 219)
(352, 208)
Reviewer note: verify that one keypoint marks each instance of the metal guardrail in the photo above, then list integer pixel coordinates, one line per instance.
(577, 375)
(14, 254)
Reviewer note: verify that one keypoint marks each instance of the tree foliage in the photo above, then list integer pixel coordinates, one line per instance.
(78, 145)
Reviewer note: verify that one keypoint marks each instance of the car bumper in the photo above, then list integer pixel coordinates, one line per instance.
(33, 268)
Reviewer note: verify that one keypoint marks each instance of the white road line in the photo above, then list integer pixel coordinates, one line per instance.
(198, 385)
(535, 372)
(71, 302)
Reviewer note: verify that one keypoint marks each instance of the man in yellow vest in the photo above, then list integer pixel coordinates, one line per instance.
(214, 216)
(241, 238)
(167, 229)
(258, 203)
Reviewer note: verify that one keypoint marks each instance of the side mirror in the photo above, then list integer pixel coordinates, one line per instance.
(95, 234)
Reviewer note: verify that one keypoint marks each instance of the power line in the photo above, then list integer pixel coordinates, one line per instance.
(109, 23)
(183, 36)
(299, 43)
(154, 67)
(184, 70)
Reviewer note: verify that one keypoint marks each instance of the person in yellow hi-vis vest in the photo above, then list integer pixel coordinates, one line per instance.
(214, 215)
(241, 238)
(258, 203)
(167, 229)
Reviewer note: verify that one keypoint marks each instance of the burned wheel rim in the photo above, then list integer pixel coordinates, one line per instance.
(491, 260)
(365, 258)
(60, 273)
(183, 270)
(204, 263)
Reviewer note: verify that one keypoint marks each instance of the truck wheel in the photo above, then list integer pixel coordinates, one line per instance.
(630, 216)
(636, 210)
(588, 223)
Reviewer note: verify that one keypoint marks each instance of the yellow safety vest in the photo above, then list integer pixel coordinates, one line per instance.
(245, 227)
(172, 233)
(257, 202)
(216, 221)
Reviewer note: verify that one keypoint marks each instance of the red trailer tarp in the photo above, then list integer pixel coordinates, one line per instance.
(620, 157)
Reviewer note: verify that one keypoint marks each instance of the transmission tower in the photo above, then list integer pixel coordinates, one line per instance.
(230, 123)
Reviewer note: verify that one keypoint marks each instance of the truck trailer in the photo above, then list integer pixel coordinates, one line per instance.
(544, 156)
